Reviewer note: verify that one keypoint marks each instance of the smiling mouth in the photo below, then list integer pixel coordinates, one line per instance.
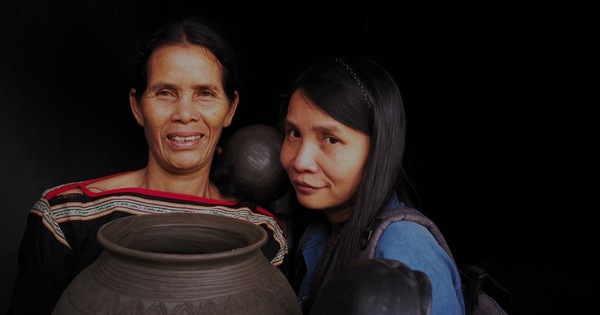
(304, 188)
(184, 139)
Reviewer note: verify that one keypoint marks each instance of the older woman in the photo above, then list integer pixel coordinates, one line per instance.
(184, 92)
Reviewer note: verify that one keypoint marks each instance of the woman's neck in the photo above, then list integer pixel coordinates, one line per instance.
(337, 216)
(196, 184)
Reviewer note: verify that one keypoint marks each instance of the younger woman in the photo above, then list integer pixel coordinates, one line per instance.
(343, 151)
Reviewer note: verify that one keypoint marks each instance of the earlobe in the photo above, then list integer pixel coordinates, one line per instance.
(232, 109)
(135, 107)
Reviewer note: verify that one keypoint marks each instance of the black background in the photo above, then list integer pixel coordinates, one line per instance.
(501, 102)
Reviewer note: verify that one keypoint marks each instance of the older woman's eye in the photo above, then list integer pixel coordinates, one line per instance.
(204, 93)
(164, 94)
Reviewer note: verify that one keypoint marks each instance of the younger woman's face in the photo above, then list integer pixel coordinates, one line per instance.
(324, 158)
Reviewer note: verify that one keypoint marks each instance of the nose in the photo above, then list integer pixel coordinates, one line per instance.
(304, 159)
(184, 110)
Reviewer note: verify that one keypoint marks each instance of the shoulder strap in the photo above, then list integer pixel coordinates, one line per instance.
(372, 234)
(477, 302)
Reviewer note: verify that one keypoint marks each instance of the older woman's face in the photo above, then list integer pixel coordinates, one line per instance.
(324, 158)
(184, 108)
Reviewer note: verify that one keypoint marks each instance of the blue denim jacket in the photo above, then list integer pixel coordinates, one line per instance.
(405, 241)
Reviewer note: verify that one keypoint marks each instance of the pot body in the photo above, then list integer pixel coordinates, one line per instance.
(180, 263)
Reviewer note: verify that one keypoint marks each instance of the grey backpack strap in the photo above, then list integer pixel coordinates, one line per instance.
(372, 234)
(477, 302)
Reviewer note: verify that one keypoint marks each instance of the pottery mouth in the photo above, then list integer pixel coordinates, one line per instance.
(180, 234)
(184, 240)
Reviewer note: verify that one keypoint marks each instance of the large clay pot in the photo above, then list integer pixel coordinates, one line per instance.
(180, 263)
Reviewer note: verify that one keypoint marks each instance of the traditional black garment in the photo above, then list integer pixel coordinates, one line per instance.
(60, 237)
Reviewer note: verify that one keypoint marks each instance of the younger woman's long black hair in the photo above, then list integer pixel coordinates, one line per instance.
(362, 95)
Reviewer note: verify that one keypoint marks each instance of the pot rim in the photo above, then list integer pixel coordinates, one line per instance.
(114, 235)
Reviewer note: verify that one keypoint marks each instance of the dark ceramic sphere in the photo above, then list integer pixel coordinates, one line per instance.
(253, 152)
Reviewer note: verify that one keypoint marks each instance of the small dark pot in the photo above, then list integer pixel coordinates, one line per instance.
(375, 287)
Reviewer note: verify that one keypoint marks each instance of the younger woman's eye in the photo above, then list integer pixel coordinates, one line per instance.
(293, 133)
(332, 140)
